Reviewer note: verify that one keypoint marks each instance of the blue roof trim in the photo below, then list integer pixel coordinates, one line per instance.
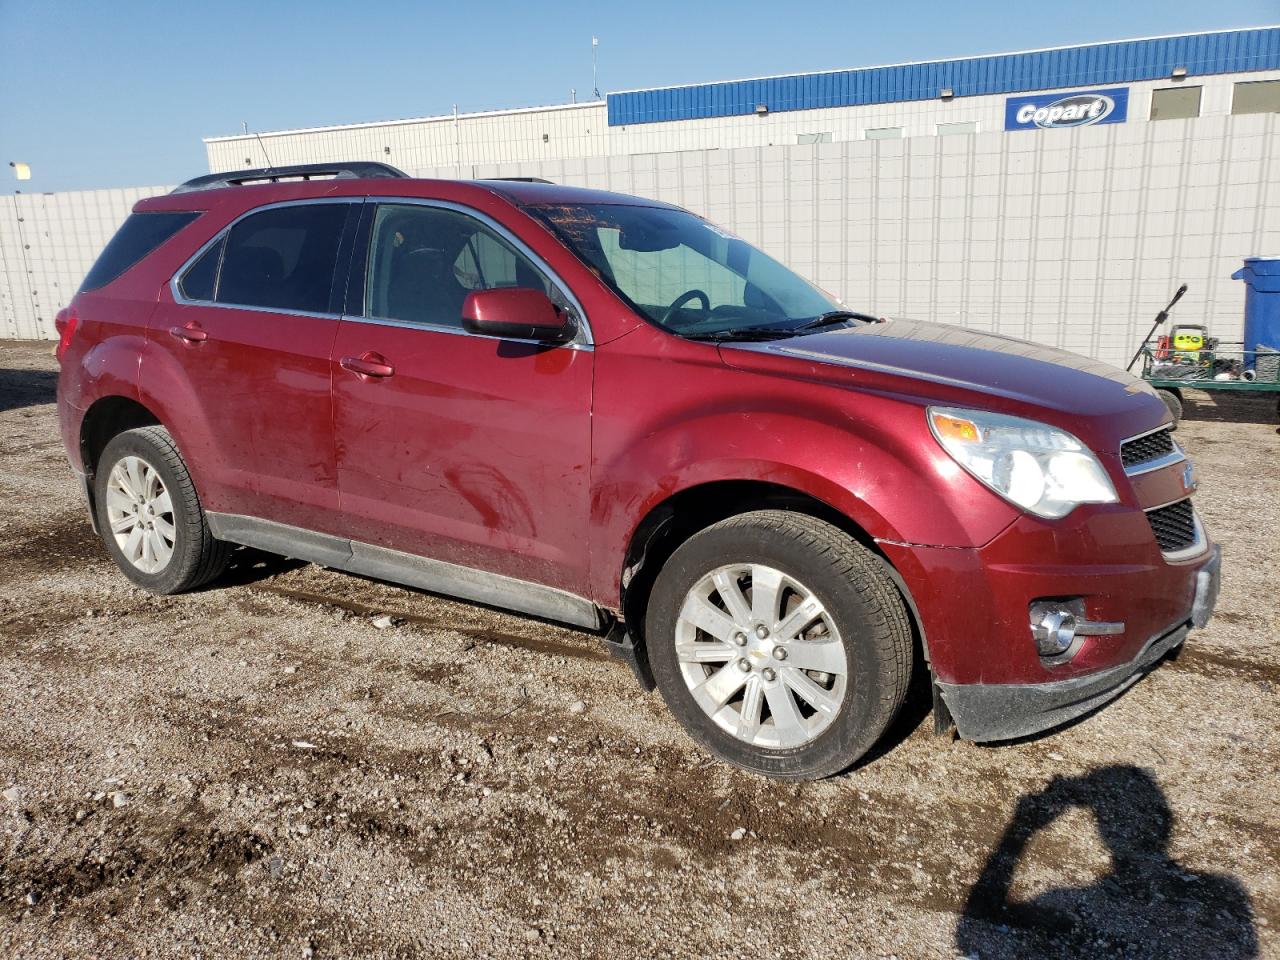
(1123, 61)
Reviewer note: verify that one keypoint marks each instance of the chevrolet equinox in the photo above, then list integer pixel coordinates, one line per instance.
(609, 412)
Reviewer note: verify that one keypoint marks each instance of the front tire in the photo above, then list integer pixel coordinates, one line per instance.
(150, 516)
(1173, 400)
(779, 643)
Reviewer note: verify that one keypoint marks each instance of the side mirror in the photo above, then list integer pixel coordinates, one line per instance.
(516, 313)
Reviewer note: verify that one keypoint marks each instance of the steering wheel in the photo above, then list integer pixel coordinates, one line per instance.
(684, 298)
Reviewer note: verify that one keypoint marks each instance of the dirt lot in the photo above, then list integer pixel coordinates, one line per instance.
(258, 770)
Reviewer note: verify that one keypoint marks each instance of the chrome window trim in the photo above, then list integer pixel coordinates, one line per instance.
(1148, 466)
(175, 286)
(583, 339)
(458, 331)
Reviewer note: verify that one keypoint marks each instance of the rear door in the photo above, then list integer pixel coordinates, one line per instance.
(248, 335)
(469, 449)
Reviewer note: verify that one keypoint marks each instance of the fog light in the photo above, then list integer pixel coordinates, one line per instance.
(1059, 627)
(1054, 632)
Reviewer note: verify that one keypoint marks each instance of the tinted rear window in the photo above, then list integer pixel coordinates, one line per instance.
(283, 258)
(136, 238)
(201, 278)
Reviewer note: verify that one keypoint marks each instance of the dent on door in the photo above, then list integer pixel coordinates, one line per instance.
(475, 451)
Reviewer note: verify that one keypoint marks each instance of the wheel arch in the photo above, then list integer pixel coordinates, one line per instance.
(679, 516)
(108, 417)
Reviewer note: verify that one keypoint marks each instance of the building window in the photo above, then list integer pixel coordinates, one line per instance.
(1175, 103)
(1256, 96)
(952, 129)
(813, 138)
(883, 133)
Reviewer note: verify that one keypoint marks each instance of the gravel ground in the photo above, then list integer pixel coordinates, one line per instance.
(259, 770)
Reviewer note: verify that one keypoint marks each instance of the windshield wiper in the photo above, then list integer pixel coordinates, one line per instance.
(833, 316)
(743, 334)
(779, 333)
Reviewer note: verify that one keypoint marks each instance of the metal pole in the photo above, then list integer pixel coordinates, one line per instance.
(26, 266)
(595, 79)
(457, 144)
(1161, 317)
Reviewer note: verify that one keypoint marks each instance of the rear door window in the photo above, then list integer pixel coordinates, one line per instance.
(136, 238)
(283, 258)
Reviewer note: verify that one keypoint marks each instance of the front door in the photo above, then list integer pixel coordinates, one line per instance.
(469, 449)
(249, 334)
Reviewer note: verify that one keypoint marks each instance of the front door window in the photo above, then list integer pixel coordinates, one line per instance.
(423, 261)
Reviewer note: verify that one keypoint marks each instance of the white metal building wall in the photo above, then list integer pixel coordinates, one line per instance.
(1073, 238)
(1067, 237)
(582, 130)
(575, 130)
(48, 241)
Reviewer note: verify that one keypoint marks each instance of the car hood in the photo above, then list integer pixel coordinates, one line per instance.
(958, 357)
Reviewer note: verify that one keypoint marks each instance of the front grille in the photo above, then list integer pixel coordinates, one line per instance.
(1174, 526)
(1145, 449)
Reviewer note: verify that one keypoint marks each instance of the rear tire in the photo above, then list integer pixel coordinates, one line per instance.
(150, 516)
(745, 682)
(1173, 400)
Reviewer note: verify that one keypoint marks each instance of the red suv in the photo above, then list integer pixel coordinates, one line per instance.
(608, 412)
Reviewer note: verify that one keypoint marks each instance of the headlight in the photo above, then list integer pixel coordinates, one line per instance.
(1040, 468)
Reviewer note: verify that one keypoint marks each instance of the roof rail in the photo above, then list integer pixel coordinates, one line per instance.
(520, 179)
(354, 170)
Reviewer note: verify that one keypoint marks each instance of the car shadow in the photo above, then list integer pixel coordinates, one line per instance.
(1146, 906)
(249, 565)
(26, 388)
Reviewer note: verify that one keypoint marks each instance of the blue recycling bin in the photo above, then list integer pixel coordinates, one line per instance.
(1261, 304)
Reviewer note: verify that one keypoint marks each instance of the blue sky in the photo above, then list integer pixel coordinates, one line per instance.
(97, 94)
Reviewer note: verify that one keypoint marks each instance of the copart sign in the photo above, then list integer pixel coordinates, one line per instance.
(1050, 111)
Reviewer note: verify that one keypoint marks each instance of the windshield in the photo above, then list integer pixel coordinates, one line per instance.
(684, 274)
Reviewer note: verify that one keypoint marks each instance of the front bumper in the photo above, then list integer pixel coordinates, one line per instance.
(1006, 711)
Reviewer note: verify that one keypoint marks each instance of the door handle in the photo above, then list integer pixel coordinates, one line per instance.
(368, 364)
(192, 333)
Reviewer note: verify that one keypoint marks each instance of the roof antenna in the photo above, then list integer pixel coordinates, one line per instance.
(270, 165)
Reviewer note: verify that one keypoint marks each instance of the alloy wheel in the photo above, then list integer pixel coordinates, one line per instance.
(761, 655)
(140, 514)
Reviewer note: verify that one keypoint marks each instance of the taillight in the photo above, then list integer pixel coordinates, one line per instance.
(65, 322)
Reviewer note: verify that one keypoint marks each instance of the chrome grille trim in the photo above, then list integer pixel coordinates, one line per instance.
(1152, 450)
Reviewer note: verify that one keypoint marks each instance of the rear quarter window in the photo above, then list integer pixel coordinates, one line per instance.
(200, 282)
(137, 237)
